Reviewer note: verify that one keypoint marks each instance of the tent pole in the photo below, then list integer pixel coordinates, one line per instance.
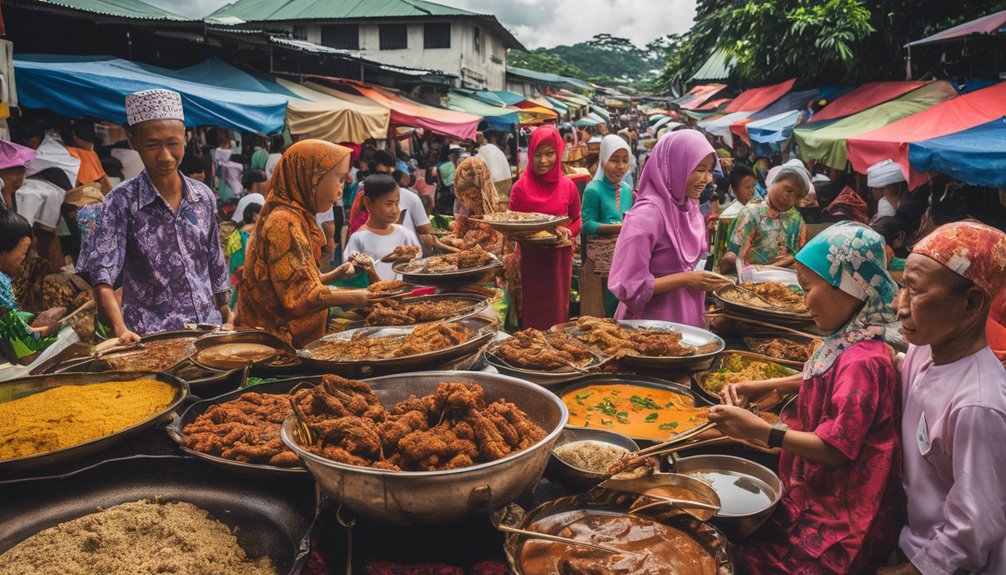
(908, 73)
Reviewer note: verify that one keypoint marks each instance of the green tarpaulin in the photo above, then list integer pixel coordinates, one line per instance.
(826, 144)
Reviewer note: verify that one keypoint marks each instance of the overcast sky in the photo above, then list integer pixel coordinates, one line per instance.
(538, 23)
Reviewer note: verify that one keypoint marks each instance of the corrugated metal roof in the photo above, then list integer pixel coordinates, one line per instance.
(261, 10)
(135, 9)
(719, 66)
(548, 78)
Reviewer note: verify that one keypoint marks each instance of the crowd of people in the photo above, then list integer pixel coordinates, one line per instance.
(890, 456)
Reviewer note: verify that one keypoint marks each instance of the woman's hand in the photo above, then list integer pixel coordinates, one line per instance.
(905, 568)
(738, 393)
(783, 261)
(704, 281)
(739, 423)
(354, 297)
(345, 271)
(563, 233)
(127, 337)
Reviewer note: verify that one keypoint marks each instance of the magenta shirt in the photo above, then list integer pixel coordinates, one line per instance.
(954, 434)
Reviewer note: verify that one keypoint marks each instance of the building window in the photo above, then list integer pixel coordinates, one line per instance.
(300, 33)
(341, 36)
(478, 40)
(394, 36)
(437, 35)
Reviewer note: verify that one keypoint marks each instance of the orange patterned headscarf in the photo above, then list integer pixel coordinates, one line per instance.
(474, 186)
(295, 181)
(972, 250)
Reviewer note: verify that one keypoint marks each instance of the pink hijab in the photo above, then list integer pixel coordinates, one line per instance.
(543, 188)
(662, 185)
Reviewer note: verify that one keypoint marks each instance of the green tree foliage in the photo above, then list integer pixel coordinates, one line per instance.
(541, 60)
(818, 41)
(604, 59)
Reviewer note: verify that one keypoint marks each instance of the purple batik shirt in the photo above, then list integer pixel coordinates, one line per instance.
(171, 263)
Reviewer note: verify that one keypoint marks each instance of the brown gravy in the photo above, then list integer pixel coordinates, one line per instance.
(652, 548)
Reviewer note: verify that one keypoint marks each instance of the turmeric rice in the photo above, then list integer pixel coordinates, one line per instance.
(75, 414)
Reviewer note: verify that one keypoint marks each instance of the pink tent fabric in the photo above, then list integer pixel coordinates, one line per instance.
(415, 115)
(863, 97)
(757, 99)
(952, 116)
(985, 25)
(699, 95)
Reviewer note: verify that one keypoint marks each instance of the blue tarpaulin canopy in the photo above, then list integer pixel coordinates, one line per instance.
(97, 86)
(976, 155)
(216, 72)
(768, 134)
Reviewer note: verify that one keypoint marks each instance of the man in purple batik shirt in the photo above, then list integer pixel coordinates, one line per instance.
(159, 230)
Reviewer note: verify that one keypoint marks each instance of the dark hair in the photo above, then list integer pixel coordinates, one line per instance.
(738, 174)
(377, 185)
(890, 227)
(384, 158)
(250, 212)
(111, 165)
(251, 177)
(13, 228)
(276, 145)
(85, 131)
(399, 174)
(240, 159)
(23, 129)
(192, 164)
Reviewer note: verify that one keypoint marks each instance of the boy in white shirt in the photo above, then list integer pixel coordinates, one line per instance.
(382, 233)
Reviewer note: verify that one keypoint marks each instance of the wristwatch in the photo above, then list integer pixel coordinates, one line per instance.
(776, 434)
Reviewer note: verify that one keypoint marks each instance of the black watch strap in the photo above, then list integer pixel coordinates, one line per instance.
(775, 437)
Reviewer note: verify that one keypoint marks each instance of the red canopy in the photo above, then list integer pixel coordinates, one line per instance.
(952, 116)
(863, 97)
(699, 95)
(405, 112)
(985, 25)
(757, 99)
(712, 105)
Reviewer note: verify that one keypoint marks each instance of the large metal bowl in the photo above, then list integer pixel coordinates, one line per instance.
(573, 476)
(737, 526)
(18, 388)
(437, 497)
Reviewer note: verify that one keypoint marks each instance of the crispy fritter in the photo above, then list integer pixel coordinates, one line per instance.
(423, 339)
(611, 339)
(450, 429)
(387, 286)
(465, 259)
(777, 294)
(399, 313)
(245, 429)
(543, 351)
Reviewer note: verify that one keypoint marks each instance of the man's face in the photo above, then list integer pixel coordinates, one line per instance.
(932, 304)
(382, 169)
(160, 144)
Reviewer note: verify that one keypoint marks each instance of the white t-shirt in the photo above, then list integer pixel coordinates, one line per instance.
(413, 212)
(378, 246)
(239, 212)
(326, 216)
(270, 164)
(884, 208)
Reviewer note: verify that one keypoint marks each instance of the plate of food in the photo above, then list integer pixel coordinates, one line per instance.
(544, 357)
(235, 350)
(402, 254)
(638, 407)
(736, 367)
(543, 237)
(770, 300)
(398, 347)
(464, 265)
(791, 351)
(511, 222)
(390, 287)
(422, 309)
(646, 343)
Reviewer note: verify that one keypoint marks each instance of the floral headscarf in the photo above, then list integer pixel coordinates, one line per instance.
(473, 185)
(971, 250)
(850, 256)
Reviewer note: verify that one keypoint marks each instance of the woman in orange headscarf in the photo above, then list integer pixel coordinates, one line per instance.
(283, 291)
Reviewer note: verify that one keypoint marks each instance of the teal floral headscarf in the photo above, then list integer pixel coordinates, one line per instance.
(850, 256)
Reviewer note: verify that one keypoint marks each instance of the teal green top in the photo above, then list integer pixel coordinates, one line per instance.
(259, 159)
(446, 171)
(598, 204)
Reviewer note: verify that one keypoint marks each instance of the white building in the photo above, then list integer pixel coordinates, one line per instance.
(409, 33)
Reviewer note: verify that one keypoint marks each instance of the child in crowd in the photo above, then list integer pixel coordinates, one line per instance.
(841, 454)
(771, 232)
(894, 230)
(19, 342)
(382, 233)
(236, 244)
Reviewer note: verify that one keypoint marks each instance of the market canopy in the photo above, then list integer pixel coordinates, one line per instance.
(864, 97)
(309, 113)
(406, 112)
(698, 95)
(494, 117)
(757, 99)
(787, 103)
(991, 24)
(721, 126)
(976, 156)
(891, 141)
(768, 134)
(826, 143)
(97, 86)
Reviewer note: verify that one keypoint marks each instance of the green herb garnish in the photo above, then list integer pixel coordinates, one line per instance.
(651, 417)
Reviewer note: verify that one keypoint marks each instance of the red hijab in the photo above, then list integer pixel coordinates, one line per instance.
(542, 189)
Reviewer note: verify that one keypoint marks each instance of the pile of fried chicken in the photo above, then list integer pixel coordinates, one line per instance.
(463, 260)
(778, 294)
(387, 286)
(543, 350)
(423, 338)
(245, 429)
(611, 339)
(781, 348)
(393, 312)
(453, 428)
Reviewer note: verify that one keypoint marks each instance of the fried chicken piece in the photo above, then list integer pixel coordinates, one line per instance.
(426, 404)
(356, 435)
(432, 337)
(386, 286)
(245, 429)
(534, 349)
(338, 454)
(459, 397)
(528, 432)
(398, 426)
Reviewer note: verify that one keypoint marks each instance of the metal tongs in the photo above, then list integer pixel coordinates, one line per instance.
(104, 348)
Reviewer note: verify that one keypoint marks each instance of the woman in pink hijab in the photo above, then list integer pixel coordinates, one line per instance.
(546, 271)
(664, 236)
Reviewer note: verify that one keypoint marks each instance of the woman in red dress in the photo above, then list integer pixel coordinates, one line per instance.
(546, 271)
